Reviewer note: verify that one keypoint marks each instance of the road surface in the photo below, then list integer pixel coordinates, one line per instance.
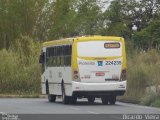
(42, 106)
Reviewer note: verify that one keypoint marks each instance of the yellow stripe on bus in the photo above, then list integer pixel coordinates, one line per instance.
(100, 58)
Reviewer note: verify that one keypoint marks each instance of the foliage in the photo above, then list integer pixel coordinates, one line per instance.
(149, 37)
(20, 71)
(52, 19)
(18, 17)
(142, 71)
(115, 24)
(74, 18)
(156, 102)
(151, 99)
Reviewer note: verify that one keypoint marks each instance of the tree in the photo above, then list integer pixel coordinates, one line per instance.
(72, 18)
(149, 37)
(89, 17)
(115, 22)
(17, 17)
(62, 19)
(122, 15)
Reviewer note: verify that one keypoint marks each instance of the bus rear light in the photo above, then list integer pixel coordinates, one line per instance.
(76, 75)
(75, 72)
(123, 75)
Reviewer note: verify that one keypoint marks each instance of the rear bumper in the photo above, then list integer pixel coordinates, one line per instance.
(108, 86)
(98, 93)
(99, 89)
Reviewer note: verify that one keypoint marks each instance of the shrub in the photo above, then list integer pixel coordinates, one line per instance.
(143, 70)
(156, 103)
(149, 99)
(20, 71)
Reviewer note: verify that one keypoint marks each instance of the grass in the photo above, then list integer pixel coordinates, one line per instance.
(142, 70)
(151, 99)
(156, 103)
(21, 96)
(20, 71)
(148, 99)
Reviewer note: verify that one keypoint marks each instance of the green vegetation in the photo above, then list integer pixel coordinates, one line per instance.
(151, 99)
(24, 24)
(156, 102)
(20, 71)
(143, 71)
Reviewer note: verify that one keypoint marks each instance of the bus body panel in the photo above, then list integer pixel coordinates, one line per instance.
(99, 73)
(108, 86)
(55, 74)
(99, 68)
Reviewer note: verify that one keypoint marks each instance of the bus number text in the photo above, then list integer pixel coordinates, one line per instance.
(113, 62)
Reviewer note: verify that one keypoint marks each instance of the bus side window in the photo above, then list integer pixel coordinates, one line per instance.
(47, 56)
(68, 55)
(61, 56)
(50, 57)
(58, 56)
(65, 54)
(54, 58)
(42, 58)
(49, 50)
(70, 50)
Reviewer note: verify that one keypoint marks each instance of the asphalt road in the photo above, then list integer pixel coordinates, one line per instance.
(42, 106)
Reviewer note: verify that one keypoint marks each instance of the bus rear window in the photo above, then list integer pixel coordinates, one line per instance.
(99, 49)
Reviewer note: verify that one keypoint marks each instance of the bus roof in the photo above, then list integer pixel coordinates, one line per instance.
(82, 38)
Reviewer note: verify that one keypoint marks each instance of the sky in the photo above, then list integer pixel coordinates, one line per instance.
(106, 3)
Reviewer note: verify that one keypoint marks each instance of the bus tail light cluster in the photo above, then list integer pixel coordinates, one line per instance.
(76, 75)
(123, 75)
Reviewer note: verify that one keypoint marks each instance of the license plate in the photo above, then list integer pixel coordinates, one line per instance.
(100, 74)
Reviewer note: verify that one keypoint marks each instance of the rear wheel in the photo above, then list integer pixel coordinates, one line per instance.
(73, 99)
(65, 99)
(104, 100)
(112, 100)
(51, 98)
(91, 99)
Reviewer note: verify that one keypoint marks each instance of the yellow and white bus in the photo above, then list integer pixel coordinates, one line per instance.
(84, 67)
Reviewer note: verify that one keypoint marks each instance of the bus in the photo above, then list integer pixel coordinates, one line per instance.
(84, 67)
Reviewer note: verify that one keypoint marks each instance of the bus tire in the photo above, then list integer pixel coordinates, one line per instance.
(91, 99)
(65, 99)
(73, 99)
(47, 87)
(112, 99)
(104, 100)
(51, 98)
